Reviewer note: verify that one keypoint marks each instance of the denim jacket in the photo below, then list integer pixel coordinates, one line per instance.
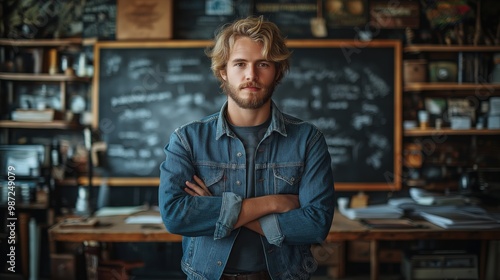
(292, 158)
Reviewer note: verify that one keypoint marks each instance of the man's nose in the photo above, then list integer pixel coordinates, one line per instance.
(250, 73)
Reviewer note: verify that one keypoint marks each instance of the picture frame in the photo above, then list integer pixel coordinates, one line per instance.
(151, 19)
(346, 13)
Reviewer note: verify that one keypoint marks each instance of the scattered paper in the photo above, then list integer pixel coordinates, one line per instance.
(144, 219)
(383, 211)
(123, 210)
(424, 197)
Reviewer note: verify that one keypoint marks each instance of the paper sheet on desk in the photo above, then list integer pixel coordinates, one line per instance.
(424, 197)
(144, 219)
(123, 210)
(383, 211)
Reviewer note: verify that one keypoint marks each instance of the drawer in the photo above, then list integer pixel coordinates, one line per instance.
(359, 251)
(329, 253)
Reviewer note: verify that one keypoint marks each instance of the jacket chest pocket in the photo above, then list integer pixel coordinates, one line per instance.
(286, 179)
(213, 177)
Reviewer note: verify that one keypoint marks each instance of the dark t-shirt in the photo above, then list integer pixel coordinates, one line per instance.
(247, 254)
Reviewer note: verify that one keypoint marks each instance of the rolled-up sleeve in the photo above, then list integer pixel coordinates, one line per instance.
(230, 210)
(271, 229)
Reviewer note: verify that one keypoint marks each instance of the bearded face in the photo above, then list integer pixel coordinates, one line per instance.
(251, 95)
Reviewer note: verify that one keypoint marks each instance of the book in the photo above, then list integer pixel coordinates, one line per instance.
(390, 224)
(79, 222)
(460, 220)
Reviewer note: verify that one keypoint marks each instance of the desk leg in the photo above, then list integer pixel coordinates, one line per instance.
(374, 265)
(483, 259)
(24, 241)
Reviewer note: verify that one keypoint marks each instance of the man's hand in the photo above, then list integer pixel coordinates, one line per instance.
(198, 189)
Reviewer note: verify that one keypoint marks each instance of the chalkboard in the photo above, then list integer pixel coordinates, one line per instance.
(350, 91)
(292, 17)
(99, 19)
(199, 19)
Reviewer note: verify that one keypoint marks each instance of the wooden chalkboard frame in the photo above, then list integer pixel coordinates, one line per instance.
(349, 47)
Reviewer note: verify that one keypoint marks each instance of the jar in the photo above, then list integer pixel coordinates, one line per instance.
(495, 74)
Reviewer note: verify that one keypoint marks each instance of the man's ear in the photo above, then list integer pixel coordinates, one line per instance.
(223, 74)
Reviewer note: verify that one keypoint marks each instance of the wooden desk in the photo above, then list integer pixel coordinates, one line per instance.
(344, 229)
(114, 229)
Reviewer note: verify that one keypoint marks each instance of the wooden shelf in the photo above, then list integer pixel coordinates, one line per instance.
(119, 182)
(29, 206)
(40, 42)
(57, 124)
(42, 77)
(447, 131)
(455, 48)
(451, 86)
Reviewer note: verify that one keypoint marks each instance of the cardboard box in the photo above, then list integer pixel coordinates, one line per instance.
(415, 71)
(144, 19)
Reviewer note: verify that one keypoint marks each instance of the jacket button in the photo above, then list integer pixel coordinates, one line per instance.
(219, 263)
(239, 154)
(238, 183)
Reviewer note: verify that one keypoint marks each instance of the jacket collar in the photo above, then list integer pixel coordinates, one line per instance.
(277, 122)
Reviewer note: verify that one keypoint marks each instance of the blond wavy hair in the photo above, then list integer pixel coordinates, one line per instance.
(259, 30)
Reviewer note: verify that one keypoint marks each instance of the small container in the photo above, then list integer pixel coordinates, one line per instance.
(53, 69)
(423, 119)
(438, 123)
(82, 65)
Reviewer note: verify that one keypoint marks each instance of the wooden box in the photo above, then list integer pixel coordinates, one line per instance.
(62, 267)
(144, 19)
(414, 71)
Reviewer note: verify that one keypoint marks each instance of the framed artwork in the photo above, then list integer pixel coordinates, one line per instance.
(395, 15)
(345, 13)
(137, 19)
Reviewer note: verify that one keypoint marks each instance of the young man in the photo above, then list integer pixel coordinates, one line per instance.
(250, 188)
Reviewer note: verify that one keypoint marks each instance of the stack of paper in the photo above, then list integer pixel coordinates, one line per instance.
(424, 197)
(383, 211)
(121, 210)
(460, 220)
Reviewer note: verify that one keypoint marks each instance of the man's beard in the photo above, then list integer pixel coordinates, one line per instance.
(254, 102)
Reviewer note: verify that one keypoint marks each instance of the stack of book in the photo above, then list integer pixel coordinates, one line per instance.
(461, 220)
(28, 115)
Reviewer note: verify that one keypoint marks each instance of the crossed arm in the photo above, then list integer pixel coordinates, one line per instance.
(251, 208)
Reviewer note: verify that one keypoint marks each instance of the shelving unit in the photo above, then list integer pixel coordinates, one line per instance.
(446, 151)
(24, 66)
(16, 50)
(448, 131)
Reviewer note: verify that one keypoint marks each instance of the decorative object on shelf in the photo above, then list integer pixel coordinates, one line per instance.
(413, 157)
(447, 13)
(443, 71)
(448, 17)
(53, 69)
(495, 73)
(415, 71)
(493, 121)
(404, 14)
(346, 13)
(318, 23)
(423, 119)
(461, 113)
(483, 115)
(82, 206)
